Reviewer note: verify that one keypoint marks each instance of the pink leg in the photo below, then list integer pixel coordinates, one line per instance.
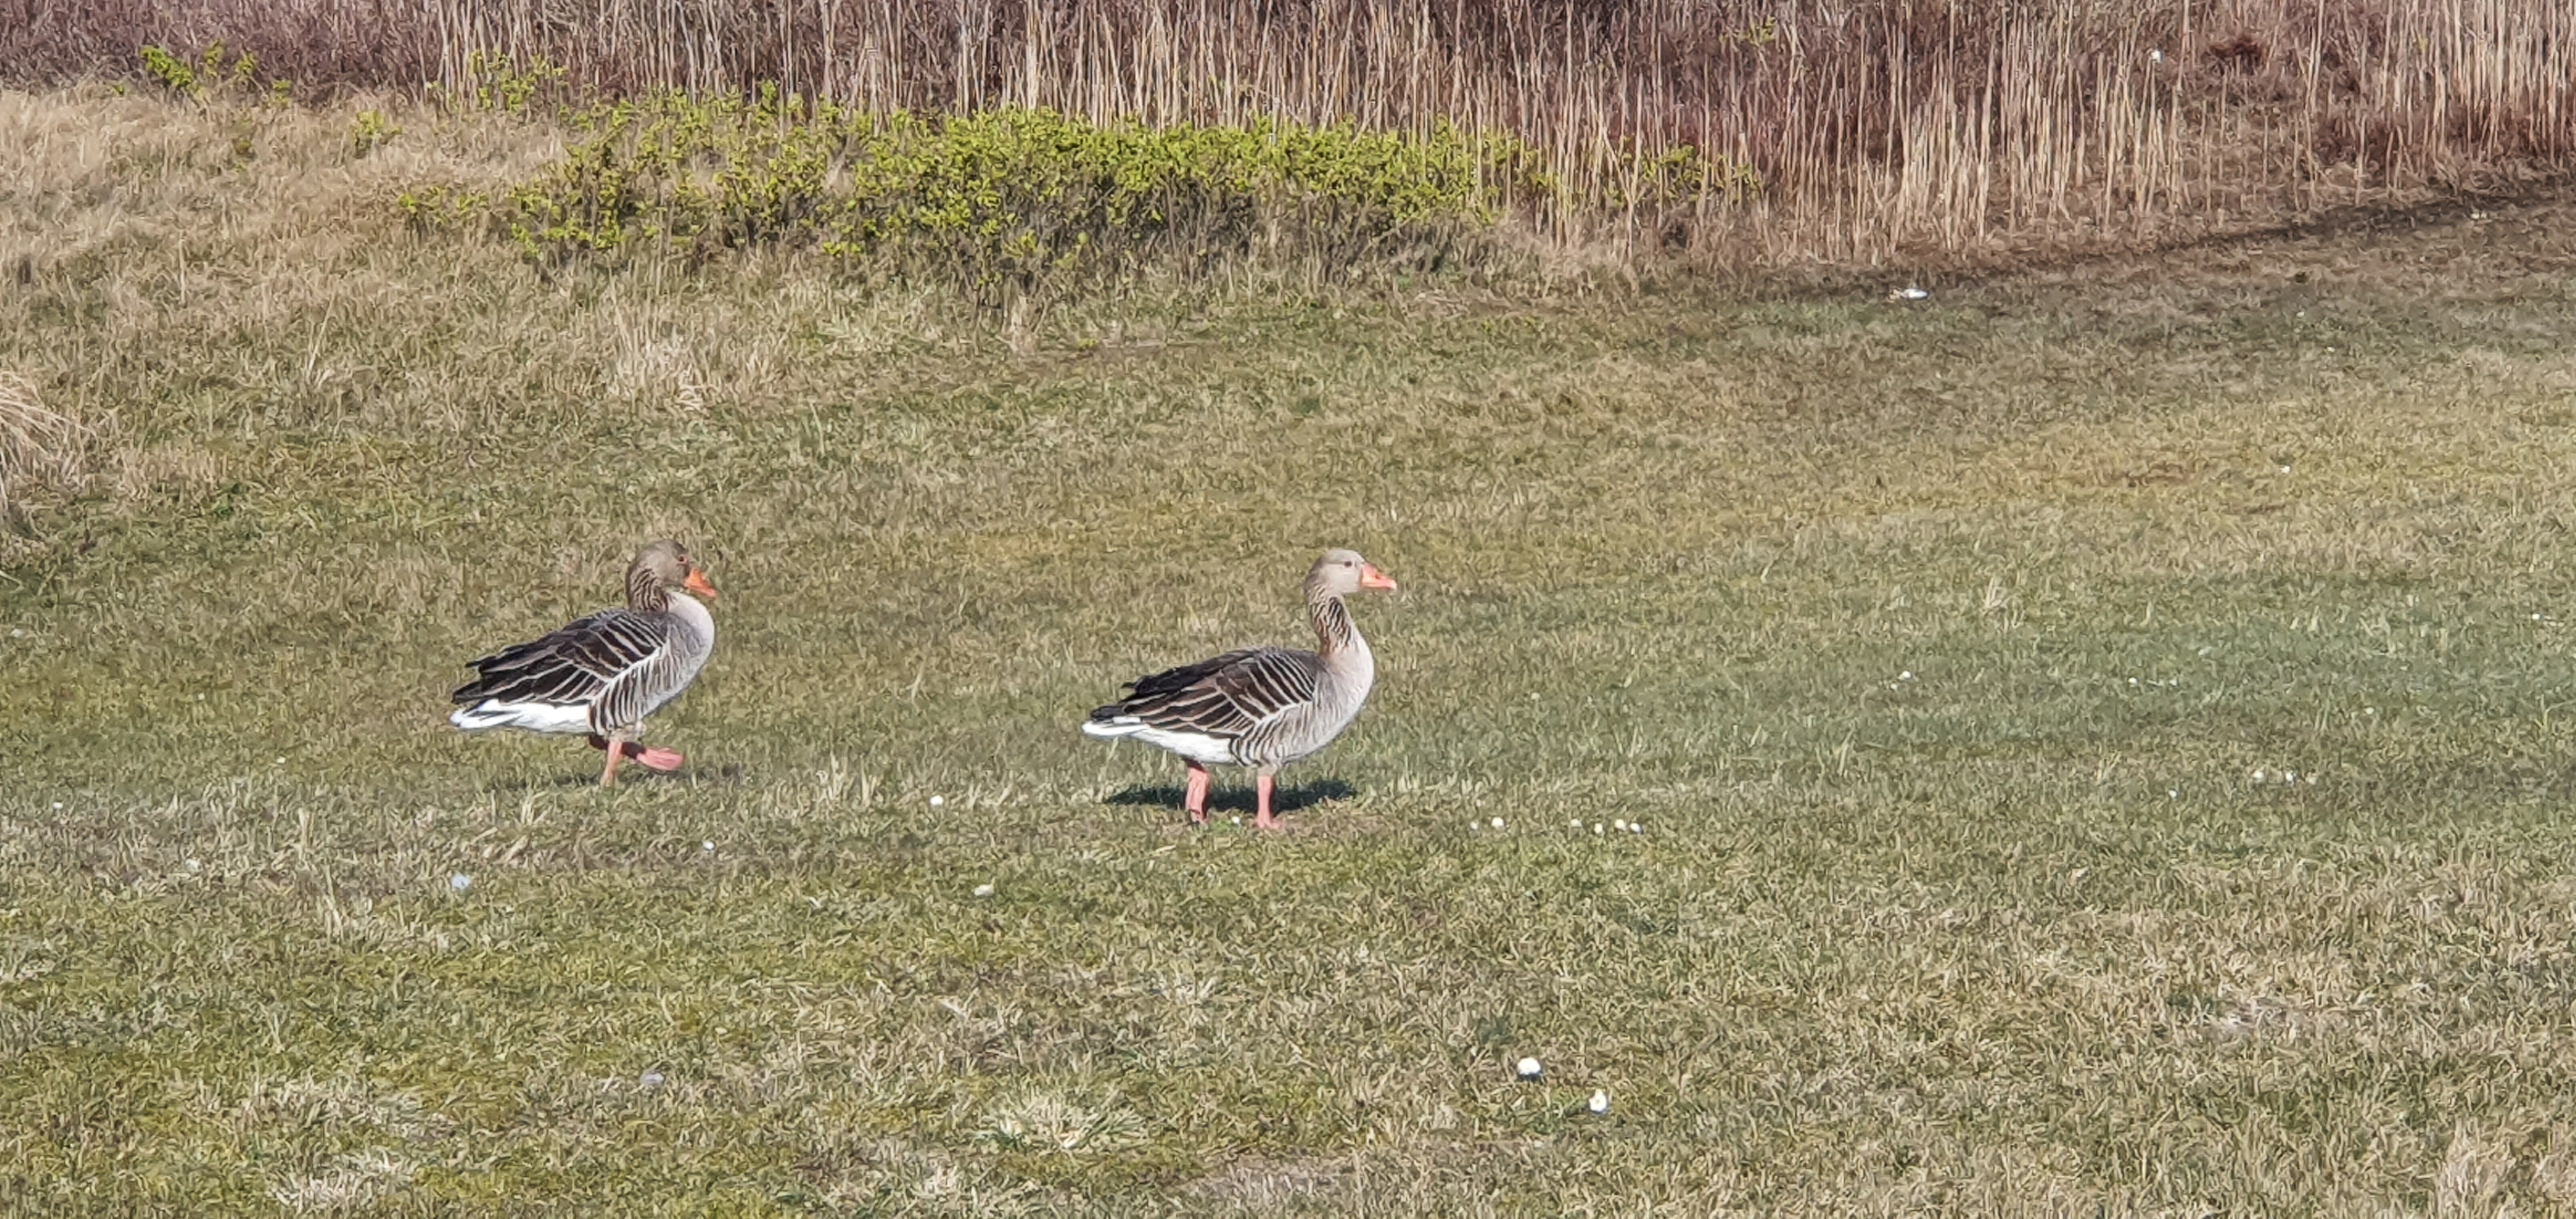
(1197, 800)
(608, 776)
(657, 759)
(1261, 818)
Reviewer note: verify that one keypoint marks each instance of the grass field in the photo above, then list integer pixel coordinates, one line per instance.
(1953, 656)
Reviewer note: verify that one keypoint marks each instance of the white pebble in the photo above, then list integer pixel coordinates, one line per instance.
(1596, 827)
(709, 846)
(936, 801)
(1498, 823)
(1636, 827)
(460, 882)
(1907, 675)
(984, 890)
(1236, 819)
(1600, 1102)
(58, 804)
(2173, 793)
(1529, 1068)
(281, 762)
(1575, 824)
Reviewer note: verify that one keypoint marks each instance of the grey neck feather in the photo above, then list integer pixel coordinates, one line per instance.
(1334, 631)
(644, 593)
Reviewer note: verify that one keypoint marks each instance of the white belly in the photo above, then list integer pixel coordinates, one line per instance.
(527, 717)
(1198, 747)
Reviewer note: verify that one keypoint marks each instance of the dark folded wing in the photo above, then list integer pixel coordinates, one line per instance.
(1224, 696)
(579, 663)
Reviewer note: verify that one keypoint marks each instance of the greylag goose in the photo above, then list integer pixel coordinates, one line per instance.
(1258, 707)
(603, 674)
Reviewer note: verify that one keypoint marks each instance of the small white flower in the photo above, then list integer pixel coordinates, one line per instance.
(1474, 825)
(2258, 774)
(2155, 55)
(1498, 823)
(1636, 827)
(281, 762)
(1600, 1102)
(2285, 469)
(17, 632)
(709, 846)
(2174, 793)
(650, 1080)
(1907, 675)
(1528, 1068)
(2289, 776)
(1620, 825)
(193, 865)
(984, 890)
(1236, 819)
(1575, 824)
(936, 802)
(460, 882)
(1596, 827)
(58, 804)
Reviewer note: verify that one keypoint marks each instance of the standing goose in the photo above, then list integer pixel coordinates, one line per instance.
(1258, 707)
(603, 674)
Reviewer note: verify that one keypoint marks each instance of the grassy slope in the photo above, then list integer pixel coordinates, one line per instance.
(2021, 931)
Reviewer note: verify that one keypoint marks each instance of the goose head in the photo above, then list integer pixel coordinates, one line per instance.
(666, 565)
(1343, 572)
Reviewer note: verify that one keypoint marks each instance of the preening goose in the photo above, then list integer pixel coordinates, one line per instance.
(1258, 707)
(603, 674)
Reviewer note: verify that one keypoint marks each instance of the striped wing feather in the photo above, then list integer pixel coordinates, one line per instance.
(1224, 696)
(592, 660)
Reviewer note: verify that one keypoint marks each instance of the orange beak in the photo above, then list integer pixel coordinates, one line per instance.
(697, 583)
(1371, 577)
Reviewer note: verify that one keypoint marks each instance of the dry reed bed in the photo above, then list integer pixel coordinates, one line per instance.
(1906, 126)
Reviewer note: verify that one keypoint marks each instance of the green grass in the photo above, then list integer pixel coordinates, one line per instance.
(2021, 932)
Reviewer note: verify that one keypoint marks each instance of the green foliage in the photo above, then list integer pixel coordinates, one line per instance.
(214, 72)
(1002, 198)
(369, 131)
(172, 71)
(505, 84)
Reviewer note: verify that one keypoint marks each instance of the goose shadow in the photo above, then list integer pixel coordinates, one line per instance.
(1237, 797)
(727, 774)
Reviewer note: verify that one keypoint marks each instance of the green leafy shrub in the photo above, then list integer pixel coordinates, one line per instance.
(214, 72)
(172, 71)
(369, 131)
(1011, 199)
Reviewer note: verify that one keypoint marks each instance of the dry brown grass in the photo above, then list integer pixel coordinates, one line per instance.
(37, 446)
(1895, 129)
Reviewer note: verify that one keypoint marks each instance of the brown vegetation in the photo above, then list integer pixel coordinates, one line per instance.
(1876, 128)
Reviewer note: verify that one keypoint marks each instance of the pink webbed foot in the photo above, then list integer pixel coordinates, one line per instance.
(664, 760)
